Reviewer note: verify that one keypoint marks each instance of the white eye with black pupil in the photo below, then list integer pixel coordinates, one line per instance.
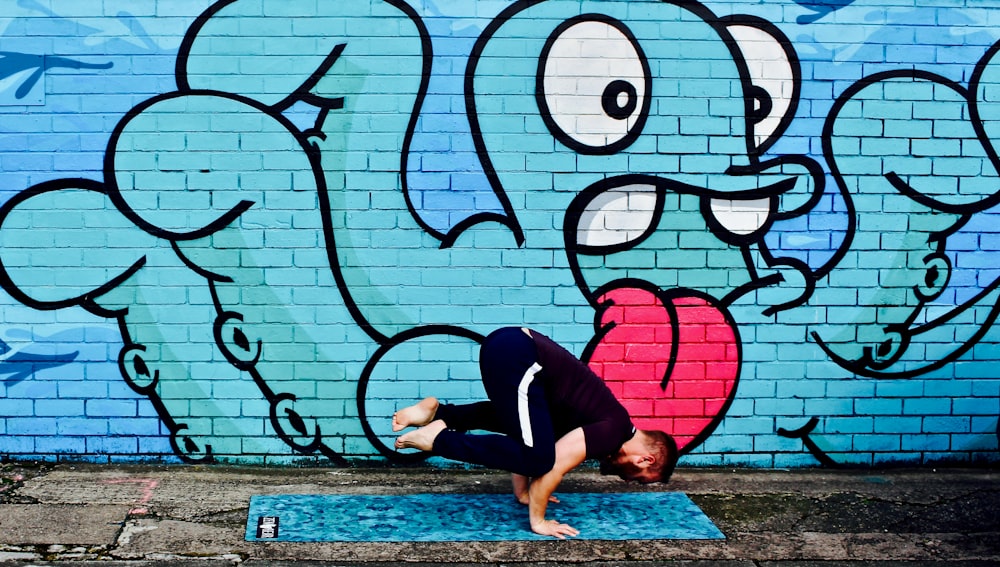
(593, 85)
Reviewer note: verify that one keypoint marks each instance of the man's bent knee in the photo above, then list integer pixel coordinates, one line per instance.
(538, 462)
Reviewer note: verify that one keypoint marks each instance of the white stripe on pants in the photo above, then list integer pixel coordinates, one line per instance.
(522, 404)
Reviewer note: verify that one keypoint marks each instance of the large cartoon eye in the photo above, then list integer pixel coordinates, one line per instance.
(593, 85)
(774, 78)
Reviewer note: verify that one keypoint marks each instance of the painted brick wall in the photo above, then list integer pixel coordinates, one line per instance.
(250, 230)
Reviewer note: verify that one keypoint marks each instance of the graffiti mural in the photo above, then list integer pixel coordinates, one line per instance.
(316, 211)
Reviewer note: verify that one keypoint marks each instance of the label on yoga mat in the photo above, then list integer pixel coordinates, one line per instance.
(267, 527)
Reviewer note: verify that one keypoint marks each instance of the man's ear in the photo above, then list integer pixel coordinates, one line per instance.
(644, 461)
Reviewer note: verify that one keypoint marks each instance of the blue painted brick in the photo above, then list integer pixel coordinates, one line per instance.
(899, 388)
(879, 406)
(898, 425)
(16, 407)
(111, 408)
(37, 426)
(779, 407)
(701, 460)
(14, 445)
(926, 406)
(156, 447)
(800, 389)
(776, 444)
(111, 445)
(850, 389)
(948, 388)
(752, 460)
(60, 445)
(973, 442)
(976, 406)
(856, 425)
(726, 444)
(741, 408)
(876, 443)
(829, 406)
(148, 425)
(58, 407)
(986, 388)
(946, 424)
(748, 425)
(81, 426)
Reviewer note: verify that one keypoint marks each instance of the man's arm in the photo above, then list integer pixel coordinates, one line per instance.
(521, 484)
(571, 450)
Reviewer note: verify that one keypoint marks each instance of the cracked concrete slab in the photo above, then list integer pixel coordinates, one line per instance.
(38, 524)
(144, 538)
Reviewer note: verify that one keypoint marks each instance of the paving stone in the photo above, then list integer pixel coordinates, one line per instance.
(61, 524)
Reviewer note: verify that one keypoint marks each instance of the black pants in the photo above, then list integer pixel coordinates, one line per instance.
(522, 439)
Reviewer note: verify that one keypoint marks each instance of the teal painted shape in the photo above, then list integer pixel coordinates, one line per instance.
(182, 163)
(63, 245)
(475, 517)
(905, 211)
(247, 47)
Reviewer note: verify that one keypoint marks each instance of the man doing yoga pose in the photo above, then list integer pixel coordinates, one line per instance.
(548, 412)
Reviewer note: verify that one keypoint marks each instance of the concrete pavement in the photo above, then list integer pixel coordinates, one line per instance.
(196, 515)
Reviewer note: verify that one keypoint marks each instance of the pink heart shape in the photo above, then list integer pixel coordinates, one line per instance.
(673, 361)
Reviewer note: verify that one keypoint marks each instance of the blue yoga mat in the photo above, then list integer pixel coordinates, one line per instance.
(471, 517)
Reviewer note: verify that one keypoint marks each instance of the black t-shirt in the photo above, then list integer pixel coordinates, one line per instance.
(579, 398)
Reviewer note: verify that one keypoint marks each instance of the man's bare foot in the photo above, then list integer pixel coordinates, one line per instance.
(419, 414)
(423, 438)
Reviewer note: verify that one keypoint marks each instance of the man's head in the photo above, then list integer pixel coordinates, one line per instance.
(649, 456)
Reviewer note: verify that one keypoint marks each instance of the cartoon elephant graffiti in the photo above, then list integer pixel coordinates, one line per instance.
(929, 178)
(882, 305)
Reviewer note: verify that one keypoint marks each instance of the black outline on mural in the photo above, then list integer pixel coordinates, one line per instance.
(114, 192)
(753, 113)
(386, 347)
(803, 433)
(301, 93)
(868, 365)
(830, 6)
(976, 117)
(87, 301)
(508, 218)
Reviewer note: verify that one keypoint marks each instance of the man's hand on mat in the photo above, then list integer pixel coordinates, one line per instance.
(555, 529)
(419, 414)
(423, 438)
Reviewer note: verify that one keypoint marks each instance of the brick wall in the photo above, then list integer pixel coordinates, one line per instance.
(249, 230)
